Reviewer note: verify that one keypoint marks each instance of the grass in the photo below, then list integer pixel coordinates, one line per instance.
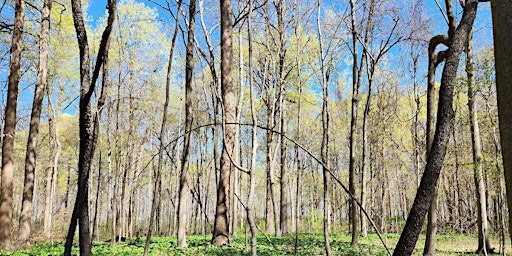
(309, 244)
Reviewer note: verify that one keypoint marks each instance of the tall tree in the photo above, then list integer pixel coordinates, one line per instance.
(184, 190)
(434, 60)
(357, 71)
(6, 193)
(221, 225)
(483, 234)
(324, 69)
(445, 119)
(502, 22)
(163, 130)
(30, 158)
(88, 123)
(284, 204)
(252, 172)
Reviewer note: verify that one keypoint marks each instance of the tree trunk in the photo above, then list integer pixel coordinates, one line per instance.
(356, 85)
(502, 22)
(483, 236)
(284, 204)
(6, 197)
(184, 192)
(88, 124)
(221, 225)
(445, 118)
(163, 130)
(325, 137)
(30, 159)
(252, 175)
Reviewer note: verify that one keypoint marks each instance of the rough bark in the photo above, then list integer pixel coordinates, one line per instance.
(88, 124)
(6, 197)
(502, 22)
(184, 192)
(221, 225)
(445, 119)
(433, 61)
(30, 158)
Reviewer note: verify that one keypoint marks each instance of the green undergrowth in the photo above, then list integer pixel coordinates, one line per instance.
(309, 244)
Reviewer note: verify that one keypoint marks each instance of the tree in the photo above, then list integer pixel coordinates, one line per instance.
(483, 234)
(163, 129)
(6, 197)
(88, 124)
(445, 119)
(357, 72)
(434, 60)
(502, 21)
(252, 172)
(221, 225)
(284, 204)
(184, 190)
(30, 159)
(324, 69)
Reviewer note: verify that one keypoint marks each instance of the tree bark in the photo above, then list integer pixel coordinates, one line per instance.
(6, 197)
(502, 22)
(221, 225)
(30, 158)
(184, 192)
(445, 118)
(88, 124)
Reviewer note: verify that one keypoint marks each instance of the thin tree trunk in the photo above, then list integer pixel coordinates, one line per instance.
(252, 175)
(325, 137)
(483, 236)
(98, 185)
(30, 159)
(163, 130)
(6, 195)
(356, 84)
(298, 131)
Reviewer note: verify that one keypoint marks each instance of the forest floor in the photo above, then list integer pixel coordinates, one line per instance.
(309, 244)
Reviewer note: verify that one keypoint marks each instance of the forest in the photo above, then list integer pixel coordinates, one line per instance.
(293, 127)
